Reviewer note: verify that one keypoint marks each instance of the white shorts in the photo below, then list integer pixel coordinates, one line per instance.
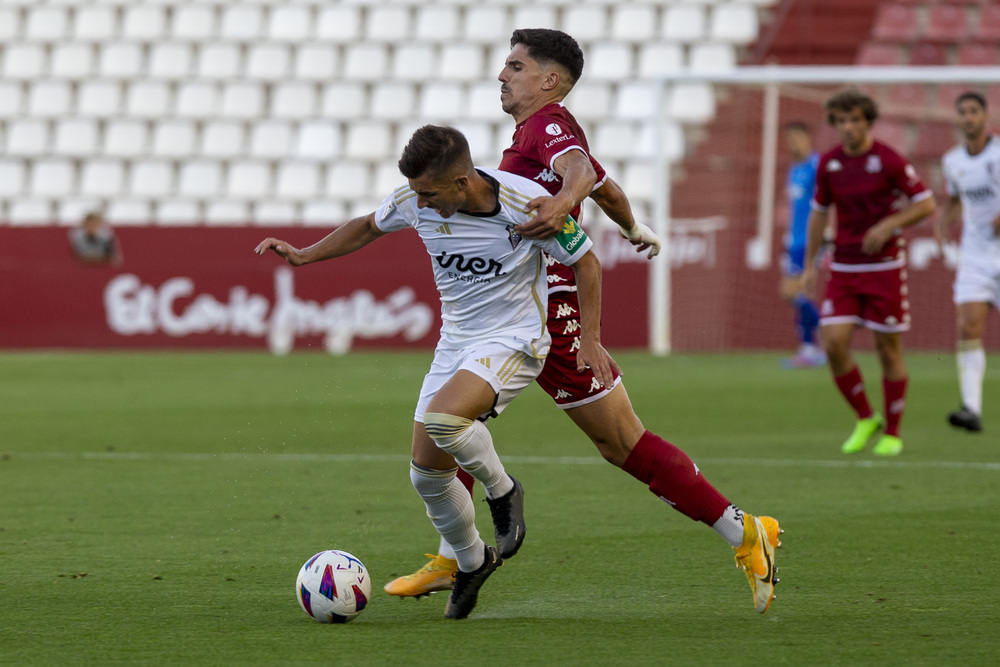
(976, 283)
(507, 371)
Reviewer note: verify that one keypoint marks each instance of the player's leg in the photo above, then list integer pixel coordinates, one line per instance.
(971, 358)
(847, 377)
(809, 353)
(889, 347)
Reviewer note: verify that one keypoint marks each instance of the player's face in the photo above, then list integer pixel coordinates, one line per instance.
(520, 81)
(798, 143)
(852, 127)
(971, 119)
(443, 194)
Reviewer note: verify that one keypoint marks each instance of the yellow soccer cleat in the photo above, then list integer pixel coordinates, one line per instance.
(888, 445)
(755, 556)
(437, 575)
(863, 431)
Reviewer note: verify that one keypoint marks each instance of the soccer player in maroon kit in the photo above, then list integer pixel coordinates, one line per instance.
(550, 148)
(863, 178)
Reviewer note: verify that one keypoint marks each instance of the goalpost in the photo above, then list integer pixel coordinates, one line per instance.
(907, 96)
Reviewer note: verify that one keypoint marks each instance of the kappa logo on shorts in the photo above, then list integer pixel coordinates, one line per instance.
(562, 393)
(827, 307)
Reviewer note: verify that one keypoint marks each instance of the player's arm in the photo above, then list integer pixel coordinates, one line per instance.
(614, 202)
(879, 234)
(578, 177)
(952, 210)
(344, 240)
(591, 353)
(815, 230)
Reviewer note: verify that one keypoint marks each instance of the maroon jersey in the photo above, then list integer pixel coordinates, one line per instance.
(538, 141)
(864, 190)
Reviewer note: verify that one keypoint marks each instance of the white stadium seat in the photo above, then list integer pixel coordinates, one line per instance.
(151, 178)
(11, 98)
(388, 178)
(271, 139)
(436, 23)
(442, 101)
(461, 62)
(200, 178)
(52, 178)
(340, 24)
(316, 62)
(589, 100)
(298, 180)
(268, 62)
(712, 57)
(274, 213)
(587, 23)
(120, 60)
(637, 180)
(414, 61)
(691, 102)
(12, 177)
(30, 212)
(227, 212)
(242, 100)
(487, 23)
(323, 213)
(736, 23)
(95, 23)
(218, 61)
(484, 101)
(10, 24)
(197, 99)
(98, 98)
(684, 23)
(387, 23)
(143, 23)
(70, 210)
(294, 99)
(174, 138)
(72, 61)
(344, 180)
(318, 140)
(148, 99)
(479, 134)
(289, 23)
(369, 140)
(248, 179)
(129, 212)
(671, 141)
(27, 136)
(527, 16)
(344, 100)
(76, 137)
(23, 61)
(125, 138)
(222, 139)
(46, 24)
(615, 140)
(393, 100)
(659, 58)
(241, 22)
(49, 98)
(177, 212)
(633, 23)
(193, 22)
(611, 61)
(366, 62)
(102, 178)
(170, 60)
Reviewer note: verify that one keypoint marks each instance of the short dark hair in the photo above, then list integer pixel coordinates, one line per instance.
(435, 149)
(846, 100)
(551, 45)
(971, 95)
(796, 126)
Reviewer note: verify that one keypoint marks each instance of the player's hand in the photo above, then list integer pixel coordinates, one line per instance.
(996, 226)
(643, 238)
(290, 253)
(592, 355)
(549, 219)
(876, 238)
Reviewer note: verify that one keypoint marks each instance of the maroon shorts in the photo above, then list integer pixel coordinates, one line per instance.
(568, 387)
(877, 300)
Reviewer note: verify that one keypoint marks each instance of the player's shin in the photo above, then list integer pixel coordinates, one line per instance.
(469, 442)
(450, 509)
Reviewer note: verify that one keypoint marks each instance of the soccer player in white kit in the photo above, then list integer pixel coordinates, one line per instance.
(493, 340)
(972, 174)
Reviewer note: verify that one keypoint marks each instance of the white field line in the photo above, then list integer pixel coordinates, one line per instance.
(993, 466)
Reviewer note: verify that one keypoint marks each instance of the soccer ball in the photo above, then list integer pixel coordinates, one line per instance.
(333, 587)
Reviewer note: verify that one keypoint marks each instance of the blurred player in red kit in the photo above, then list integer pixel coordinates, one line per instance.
(863, 179)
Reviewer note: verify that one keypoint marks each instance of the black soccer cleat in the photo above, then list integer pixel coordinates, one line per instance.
(967, 419)
(465, 590)
(508, 520)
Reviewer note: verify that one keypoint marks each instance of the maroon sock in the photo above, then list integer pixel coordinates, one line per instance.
(672, 476)
(852, 387)
(467, 480)
(894, 392)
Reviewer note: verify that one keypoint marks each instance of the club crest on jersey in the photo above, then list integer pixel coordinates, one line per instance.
(873, 164)
(513, 237)
(553, 129)
(834, 165)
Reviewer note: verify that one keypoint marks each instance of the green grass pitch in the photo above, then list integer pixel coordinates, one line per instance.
(155, 509)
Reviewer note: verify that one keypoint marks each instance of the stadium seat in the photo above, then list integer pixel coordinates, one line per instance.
(344, 180)
(293, 99)
(120, 60)
(878, 55)
(10, 24)
(177, 212)
(316, 62)
(271, 139)
(934, 140)
(11, 99)
(147, 99)
(98, 98)
(635, 100)
(241, 22)
(484, 102)
(102, 178)
(344, 100)
(659, 58)
(70, 210)
(535, 16)
(143, 23)
(94, 23)
(23, 61)
(12, 177)
(49, 98)
(200, 178)
(461, 62)
(733, 23)
(615, 140)
(129, 212)
(323, 213)
(671, 141)
(197, 99)
(387, 177)
(76, 137)
(442, 101)
(170, 60)
(946, 23)
(268, 62)
(589, 100)
(227, 212)
(298, 180)
(894, 133)
(436, 23)
(366, 62)
(987, 27)
(274, 213)
(712, 57)
(387, 23)
(633, 23)
(945, 94)
(683, 23)
(637, 180)
(896, 23)
(487, 23)
(691, 102)
(610, 61)
(72, 61)
(369, 140)
(245, 100)
(289, 23)
(479, 134)
(125, 138)
(193, 22)
(174, 138)
(911, 96)
(222, 139)
(46, 24)
(219, 61)
(318, 140)
(151, 178)
(393, 100)
(340, 24)
(248, 179)
(986, 55)
(587, 23)
(27, 137)
(413, 61)
(928, 54)
(29, 212)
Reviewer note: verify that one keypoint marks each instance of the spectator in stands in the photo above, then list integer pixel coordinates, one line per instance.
(863, 178)
(971, 173)
(800, 182)
(94, 241)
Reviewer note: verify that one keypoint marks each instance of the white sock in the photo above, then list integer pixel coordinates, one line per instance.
(971, 369)
(450, 509)
(471, 445)
(445, 550)
(730, 526)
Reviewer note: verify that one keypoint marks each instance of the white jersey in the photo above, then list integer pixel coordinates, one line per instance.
(975, 179)
(492, 282)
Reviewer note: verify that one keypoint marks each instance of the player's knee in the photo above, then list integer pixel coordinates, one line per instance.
(445, 430)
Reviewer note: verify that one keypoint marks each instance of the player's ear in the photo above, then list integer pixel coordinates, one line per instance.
(551, 80)
(462, 182)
